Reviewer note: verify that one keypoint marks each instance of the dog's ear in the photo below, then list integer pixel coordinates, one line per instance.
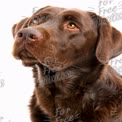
(109, 44)
(16, 27)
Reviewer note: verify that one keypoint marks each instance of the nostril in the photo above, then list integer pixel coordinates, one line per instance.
(20, 34)
(32, 36)
(29, 34)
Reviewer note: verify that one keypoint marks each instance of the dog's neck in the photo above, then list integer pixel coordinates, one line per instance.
(46, 77)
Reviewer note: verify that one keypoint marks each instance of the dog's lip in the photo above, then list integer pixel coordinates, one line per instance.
(27, 58)
(23, 54)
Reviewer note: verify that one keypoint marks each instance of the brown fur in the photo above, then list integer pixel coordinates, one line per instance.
(69, 51)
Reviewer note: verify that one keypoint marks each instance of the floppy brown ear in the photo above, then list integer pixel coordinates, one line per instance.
(18, 26)
(109, 43)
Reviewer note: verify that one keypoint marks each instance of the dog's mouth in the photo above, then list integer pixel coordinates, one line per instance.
(29, 60)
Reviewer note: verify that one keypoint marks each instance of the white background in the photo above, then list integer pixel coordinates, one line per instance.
(16, 82)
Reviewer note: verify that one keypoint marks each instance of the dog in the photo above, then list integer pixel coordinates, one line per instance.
(69, 51)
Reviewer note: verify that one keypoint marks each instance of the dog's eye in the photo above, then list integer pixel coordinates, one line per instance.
(71, 26)
(39, 19)
(35, 20)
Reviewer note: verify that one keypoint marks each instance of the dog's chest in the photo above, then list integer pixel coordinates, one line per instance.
(61, 104)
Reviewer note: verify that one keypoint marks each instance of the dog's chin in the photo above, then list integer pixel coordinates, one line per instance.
(26, 57)
(29, 60)
(29, 63)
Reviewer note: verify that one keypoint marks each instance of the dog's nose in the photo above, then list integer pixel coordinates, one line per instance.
(29, 34)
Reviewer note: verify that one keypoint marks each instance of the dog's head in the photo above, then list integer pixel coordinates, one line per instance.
(59, 38)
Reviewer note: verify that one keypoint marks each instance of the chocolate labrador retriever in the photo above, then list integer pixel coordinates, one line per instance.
(69, 51)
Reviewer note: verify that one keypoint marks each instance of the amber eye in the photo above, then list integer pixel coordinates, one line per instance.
(71, 26)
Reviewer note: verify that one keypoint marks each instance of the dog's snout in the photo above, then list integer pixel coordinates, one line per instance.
(29, 34)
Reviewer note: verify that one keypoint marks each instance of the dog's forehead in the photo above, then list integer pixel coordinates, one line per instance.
(49, 9)
(75, 12)
(57, 10)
